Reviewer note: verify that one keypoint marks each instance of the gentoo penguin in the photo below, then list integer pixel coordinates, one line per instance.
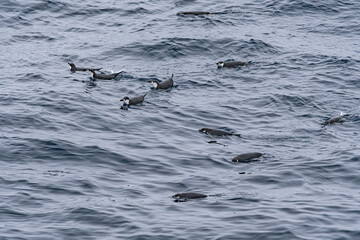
(163, 85)
(182, 197)
(104, 76)
(73, 68)
(132, 101)
(246, 157)
(195, 13)
(232, 64)
(216, 132)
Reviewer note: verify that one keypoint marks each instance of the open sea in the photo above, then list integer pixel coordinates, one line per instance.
(73, 165)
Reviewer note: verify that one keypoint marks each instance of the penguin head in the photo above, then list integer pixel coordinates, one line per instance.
(126, 100)
(220, 64)
(155, 83)
(92, 73)
(72, 66)
(177, 196)
(202, 130)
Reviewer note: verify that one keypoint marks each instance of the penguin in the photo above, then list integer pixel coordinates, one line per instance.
(247, 157)
(183, 197)
(333, 120)
(169, 83)
(216, 132)
(73, 68)
(132, 101)
(104, 76)
(232, 64)
(194, 13)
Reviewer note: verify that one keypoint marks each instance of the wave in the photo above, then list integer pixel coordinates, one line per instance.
(296, 7)
(176, 48)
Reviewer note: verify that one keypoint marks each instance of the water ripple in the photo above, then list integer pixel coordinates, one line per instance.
(75, 165)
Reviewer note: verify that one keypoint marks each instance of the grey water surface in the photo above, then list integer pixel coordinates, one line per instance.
(76, 166)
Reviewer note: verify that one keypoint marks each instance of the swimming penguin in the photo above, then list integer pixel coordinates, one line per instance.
(132, 101)
(216, 132)
(216, 142)
(182, 197)
(104, 76)
(334, 120)
(73, 68)
(246, 157)
(195, 13)
(232, 64)
(163, 85)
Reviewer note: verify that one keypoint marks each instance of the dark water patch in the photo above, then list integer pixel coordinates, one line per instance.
(186, 47)
(173, 48)
(14, 121)
(34, 188)
(330, 170)
(134, 193)
(264, 180)
(191, 84)
(32, 77)
(349, 29)
(246, 217)
(297, 101)
(203, 162)
(17, 22)
(353, 118)
(138, 10)
(295, 8)
(95, 217)
(70, 232)
(180, 3)
(244, 200)
(65, 58)
(94, 10)
(58, 150)
(355, 159)
(156, 235)
(79, 29)
(264, 234)
(55, 173)
(88, 12)
(10, 5)
(345, 27)
(46, 6)
(328, 61)
(117, 25)
(54, 189)
(206, 20)
(251, 47)
(9, 214)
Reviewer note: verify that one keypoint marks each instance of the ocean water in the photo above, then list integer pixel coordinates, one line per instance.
(76, 166)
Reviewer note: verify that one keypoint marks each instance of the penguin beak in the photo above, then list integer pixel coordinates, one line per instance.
(149, 81)
(121, 100)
